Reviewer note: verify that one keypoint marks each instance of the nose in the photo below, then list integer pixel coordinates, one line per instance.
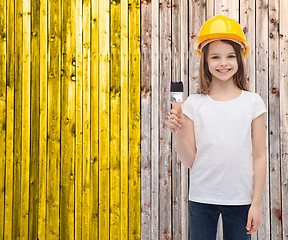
(223, 62)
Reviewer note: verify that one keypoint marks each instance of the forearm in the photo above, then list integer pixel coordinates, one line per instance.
(185, 152)
(260, 171)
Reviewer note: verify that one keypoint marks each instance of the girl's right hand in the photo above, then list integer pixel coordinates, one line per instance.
(175, 121)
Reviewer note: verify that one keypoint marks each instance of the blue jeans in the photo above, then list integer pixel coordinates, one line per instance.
(203, 221)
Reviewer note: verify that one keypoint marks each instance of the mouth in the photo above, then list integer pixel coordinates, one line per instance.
(223, 70)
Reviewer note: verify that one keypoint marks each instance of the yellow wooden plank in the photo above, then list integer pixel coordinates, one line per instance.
(3, 109)
(94, 223)
(134, 121)
(115, 207)
(124, 119)
(78, 100)
(86, 214)
(18, 118)
(68, 120)
(34, 122)
(25, 141)
(43, 121)
(53, 153)
(104, 112)
(9, 121)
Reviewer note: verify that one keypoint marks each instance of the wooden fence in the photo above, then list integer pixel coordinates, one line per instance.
(169, 29)
(70, 119)
(72, 99)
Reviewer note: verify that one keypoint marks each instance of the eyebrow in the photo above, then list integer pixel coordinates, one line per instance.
(218, 53)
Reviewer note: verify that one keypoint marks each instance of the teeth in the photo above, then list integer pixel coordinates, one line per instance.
(223, 70)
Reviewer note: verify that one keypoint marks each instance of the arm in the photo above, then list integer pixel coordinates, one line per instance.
(260, 170)
(183, 128)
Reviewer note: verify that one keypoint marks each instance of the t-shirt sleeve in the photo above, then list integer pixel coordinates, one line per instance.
(258, 106)
(187, 107)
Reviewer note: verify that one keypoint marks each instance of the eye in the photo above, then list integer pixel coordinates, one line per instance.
(214, 57)
(231, 56)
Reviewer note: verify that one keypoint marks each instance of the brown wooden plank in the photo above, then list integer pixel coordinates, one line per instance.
(146, 17)
(175, 164)
(155, 76)
(283, 31)
(165, 216)
(274, 120)
(261, 86)
(184, 193)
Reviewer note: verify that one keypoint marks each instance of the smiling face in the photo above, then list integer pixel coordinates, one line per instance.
(222, 61)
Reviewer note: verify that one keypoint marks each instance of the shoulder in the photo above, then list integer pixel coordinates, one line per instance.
(252, 96)
(195, 97)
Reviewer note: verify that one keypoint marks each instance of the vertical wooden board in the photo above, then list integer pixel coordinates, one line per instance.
(115, 103)
(261, 71)
(79, 124)
(86, 214)
(175, 164)
(195, 22)
(274, 124)
(227, 8)
(18, 51)
(124, 119)
(104, 113)
(94, 223)
(68, 78)
(283, 31)
(146, 11)
(54, 89)
(3, 109)
(155, 120)
(10, 104)
(25, 102)
(35, 98)
(210, 8)
(248, 24)
(184, 78)
(134, 170)
(165, 216)
(43, 120)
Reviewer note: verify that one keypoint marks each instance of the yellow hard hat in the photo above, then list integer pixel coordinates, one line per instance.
(220, 27)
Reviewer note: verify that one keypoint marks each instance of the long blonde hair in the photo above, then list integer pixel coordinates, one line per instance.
(205, 77)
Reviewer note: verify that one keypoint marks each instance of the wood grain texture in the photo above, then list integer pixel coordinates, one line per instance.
(68, 75)
(261, 86)
(274, 120)
(155, 143)
(124, 119)
(134, 169)
(53, 151)
(43, 57)
(146, 28)
(165, 204)
(283, 47)
(104, 123)
(115, 143)
(3, 109)
(94, 222)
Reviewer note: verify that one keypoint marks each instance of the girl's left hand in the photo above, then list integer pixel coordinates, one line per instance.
(254, 219)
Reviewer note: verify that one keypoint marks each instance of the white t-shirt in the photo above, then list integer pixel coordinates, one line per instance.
(222, 172)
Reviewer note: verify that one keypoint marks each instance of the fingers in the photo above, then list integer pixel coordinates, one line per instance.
(174, 122)
(254, 227)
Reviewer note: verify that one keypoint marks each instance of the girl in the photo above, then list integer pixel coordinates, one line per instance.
(215, 130)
